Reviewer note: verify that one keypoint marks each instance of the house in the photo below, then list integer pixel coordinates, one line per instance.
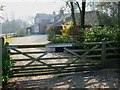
(43, 21)
(57, 21)
(40, 22)
(1, 20)
(30, 30)
(91, 18)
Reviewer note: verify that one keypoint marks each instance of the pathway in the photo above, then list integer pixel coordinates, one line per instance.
(34, 39)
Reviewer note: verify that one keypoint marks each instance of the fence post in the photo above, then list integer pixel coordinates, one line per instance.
(1, 56)
(103, 52)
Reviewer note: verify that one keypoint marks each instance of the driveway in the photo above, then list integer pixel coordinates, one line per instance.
(30, 40)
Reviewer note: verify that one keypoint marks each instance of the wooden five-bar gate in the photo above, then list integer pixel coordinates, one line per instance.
(59, 58)
(41, 64)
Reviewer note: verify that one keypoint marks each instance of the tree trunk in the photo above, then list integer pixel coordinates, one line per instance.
(73, 18)
(83, 14)
(79, 10)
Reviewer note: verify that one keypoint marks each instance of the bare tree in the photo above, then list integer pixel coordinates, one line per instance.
(83, 14)
(73, 18)
(111, 9)
(73, 5)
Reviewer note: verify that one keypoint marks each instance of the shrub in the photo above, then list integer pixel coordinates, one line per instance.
(7, 64)
(21, 33)
(94, 34)
(51, 34)
(97, 33)
(66, 30)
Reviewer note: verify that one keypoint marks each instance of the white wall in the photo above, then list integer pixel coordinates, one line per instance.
(36, 28)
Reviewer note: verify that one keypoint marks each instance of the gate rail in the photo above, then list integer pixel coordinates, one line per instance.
(80, 58)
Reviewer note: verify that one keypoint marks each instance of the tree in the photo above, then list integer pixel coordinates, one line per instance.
(111, 8)
(13, 26)
(1, 9)
(72, 5)
(73, 18)
(119, 13)
(83, 14)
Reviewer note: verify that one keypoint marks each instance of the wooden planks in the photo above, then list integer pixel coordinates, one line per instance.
(46, 72)
(43, 68)
(27, 46)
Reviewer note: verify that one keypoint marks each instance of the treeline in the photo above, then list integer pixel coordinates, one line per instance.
(14, 26)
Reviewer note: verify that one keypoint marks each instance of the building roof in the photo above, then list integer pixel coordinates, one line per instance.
(43, 16)
(91, 18)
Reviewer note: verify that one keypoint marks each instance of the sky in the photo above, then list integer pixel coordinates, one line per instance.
(24, 8)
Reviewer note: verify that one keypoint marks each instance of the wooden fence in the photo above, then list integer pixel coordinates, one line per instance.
(105, 51)
(86, 52)
(9, 35)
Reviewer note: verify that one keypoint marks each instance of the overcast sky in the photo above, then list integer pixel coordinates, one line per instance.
(24, 8)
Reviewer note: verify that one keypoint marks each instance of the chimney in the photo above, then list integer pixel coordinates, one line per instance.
(61, 12)
(54, 16)
(54, 13)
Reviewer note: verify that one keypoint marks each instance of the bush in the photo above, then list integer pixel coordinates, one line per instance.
(97, 33)
(51, 34)
(21, 33)
(66, 30)
(94, 34)
(7, 64)
(64, 38)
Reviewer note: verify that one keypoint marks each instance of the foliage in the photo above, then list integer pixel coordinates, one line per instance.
(111, 9)
(21, 33)
(66, 30)
(7, 65)
(94, 34)
(97, 33)
(13, 26)
(51, 34)
(65, 37)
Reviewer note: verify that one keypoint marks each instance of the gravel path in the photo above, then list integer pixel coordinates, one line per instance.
(93, 79)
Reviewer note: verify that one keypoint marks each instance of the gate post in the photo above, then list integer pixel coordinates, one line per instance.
(1, 56)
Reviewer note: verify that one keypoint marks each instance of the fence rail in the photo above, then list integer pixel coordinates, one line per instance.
(9, 35)
(105, 51)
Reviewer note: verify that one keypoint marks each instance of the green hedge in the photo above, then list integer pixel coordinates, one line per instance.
(97, 33)
(94, 34)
